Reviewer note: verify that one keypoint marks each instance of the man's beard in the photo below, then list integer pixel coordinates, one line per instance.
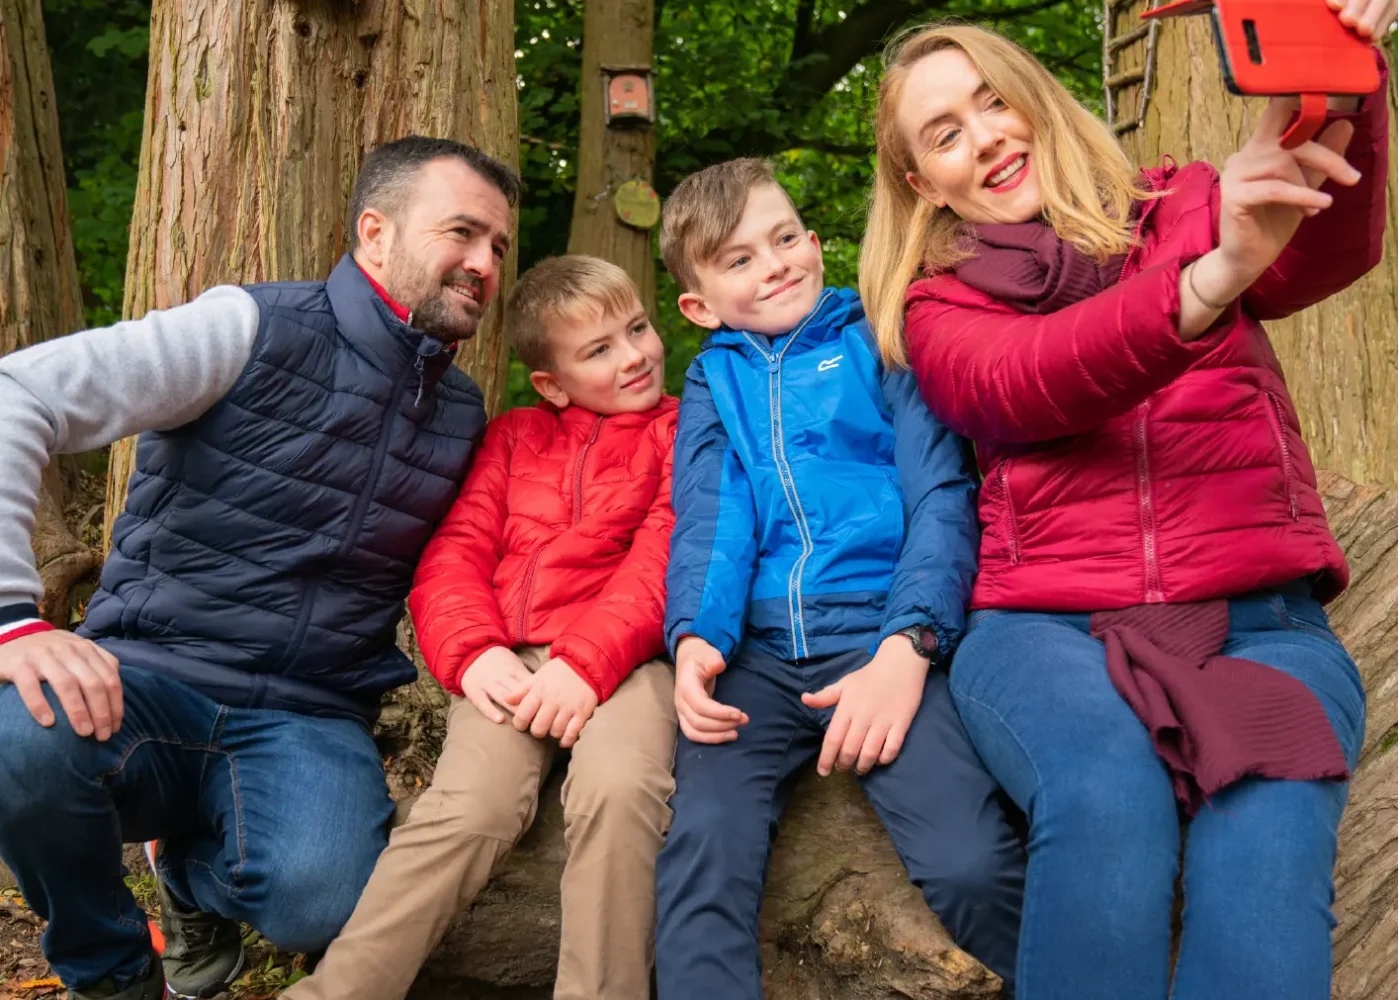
(447, 319)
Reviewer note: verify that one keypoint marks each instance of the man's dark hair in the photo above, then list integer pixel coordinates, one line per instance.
(388, 171)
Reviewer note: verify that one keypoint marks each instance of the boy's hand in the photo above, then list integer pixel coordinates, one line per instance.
(493, 681)
(556, 702)
(702, 719)
(874, 707)
(82, 674)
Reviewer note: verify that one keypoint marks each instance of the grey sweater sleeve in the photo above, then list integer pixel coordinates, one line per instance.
(89, 389)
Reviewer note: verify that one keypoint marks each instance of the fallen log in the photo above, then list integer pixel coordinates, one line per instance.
(842, 922)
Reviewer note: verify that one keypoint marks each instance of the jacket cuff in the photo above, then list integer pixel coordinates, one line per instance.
(451, 680)
(584, 658)
(21, 611)
(17, 630)
(721, 641)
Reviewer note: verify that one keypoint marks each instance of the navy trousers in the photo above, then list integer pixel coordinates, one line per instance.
(939, 804)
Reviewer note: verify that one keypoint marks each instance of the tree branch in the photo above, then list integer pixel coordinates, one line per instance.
(802, 32)
(832, 52)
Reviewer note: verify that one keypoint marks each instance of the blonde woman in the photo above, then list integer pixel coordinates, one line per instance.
(1095, 331)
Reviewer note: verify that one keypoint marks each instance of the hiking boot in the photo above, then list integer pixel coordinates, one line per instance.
(203, 951)
(150, 988)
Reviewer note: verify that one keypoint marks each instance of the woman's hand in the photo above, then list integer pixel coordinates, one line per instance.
(1368, 18)
(1265, 193)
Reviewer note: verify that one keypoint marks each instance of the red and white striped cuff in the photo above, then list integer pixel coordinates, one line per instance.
(25, 626)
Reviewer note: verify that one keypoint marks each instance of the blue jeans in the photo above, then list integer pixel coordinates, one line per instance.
(1104, 830)
(936, 800)
(268, 817)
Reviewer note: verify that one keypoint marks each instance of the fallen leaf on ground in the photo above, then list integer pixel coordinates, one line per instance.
(37, 984)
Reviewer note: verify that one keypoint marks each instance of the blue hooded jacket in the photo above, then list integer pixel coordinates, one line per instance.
(820, 507)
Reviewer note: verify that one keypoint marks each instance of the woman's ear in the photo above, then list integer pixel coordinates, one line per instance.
(694, 308)
(924, 189)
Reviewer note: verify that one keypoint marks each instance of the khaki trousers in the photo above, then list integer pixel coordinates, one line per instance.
(482, 799)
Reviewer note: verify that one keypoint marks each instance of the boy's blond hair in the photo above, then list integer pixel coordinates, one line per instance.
(704, 209)
(570, 287)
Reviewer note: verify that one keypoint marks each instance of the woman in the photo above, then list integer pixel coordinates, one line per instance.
(1095, 332)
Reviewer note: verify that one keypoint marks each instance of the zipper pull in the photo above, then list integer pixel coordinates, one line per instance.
(428, 347)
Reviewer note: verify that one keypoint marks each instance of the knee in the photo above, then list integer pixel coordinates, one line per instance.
(304, 903)
(39, 765)
(633, 794)
(971, 871)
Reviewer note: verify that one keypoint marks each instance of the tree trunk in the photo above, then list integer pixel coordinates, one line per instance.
(258, 114)
(1340, 356)
(616, 33)
(39, 291)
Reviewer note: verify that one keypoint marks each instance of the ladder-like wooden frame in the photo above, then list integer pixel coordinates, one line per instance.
(1116, 79)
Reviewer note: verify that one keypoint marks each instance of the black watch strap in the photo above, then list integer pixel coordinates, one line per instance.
(925, 641)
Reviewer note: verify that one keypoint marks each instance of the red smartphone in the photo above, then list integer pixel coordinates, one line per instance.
(1286, 47)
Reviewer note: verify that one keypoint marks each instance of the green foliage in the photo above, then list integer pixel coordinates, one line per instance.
(794, 80)
(730, 82)
(98, 48)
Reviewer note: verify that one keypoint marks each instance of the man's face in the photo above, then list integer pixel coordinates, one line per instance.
(445, 248)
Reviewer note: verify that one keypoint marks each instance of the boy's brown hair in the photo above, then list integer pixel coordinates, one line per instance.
(703, 210)
(567, 287)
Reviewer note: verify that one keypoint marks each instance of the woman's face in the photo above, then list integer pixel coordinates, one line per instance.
(971, 152)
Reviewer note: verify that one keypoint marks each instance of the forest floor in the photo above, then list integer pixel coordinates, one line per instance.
(25, 975)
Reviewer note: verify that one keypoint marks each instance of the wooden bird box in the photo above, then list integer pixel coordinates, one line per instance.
(627, 97)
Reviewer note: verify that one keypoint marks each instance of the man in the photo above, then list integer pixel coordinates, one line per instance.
(300, 441)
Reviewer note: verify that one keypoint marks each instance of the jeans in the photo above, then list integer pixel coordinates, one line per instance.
(268, 817)
(936, 800)
(1105, 838)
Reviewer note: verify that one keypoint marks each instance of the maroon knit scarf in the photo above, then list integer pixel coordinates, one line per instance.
(1027, 266)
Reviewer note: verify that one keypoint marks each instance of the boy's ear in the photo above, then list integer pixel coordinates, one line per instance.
(694, 308)
(547, 385)
(925, 190)
(817, 244)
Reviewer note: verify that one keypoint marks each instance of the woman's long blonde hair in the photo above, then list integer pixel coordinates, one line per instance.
(1086, 183)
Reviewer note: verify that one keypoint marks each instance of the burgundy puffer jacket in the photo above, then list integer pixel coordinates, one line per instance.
(1122, 466)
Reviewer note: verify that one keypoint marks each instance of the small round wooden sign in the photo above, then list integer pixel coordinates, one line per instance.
(637, 204)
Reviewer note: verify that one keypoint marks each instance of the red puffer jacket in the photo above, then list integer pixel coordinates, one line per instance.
(1120, 465)
(558, 538)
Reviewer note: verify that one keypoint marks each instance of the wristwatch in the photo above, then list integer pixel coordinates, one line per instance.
(925, 642)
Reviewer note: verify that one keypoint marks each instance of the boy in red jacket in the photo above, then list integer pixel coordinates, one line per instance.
(538, 605)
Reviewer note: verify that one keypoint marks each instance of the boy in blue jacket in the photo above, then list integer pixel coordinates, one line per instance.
(823, 552)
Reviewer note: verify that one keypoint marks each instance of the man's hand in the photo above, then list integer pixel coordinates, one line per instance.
(82, 674)
(874, 707)
(494, 681)
(702, 719)
(556, 702)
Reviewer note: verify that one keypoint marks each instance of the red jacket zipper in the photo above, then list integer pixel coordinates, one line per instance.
(577, 514)
(1013, 536)
(1277, 412)
(1146, 516)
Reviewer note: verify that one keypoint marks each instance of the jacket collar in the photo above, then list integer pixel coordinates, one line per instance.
(836, 309)
(388, 343)
(577, 417)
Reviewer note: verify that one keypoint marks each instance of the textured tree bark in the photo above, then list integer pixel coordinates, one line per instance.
(841, 920)
(258, 114)
(39, 290)
(1364, 943)
(616, 33)
(1340, 356)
